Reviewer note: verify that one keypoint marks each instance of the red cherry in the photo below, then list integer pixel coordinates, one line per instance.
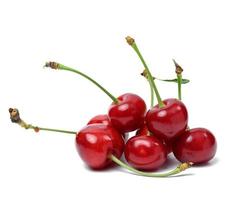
(145, 152)
(169, 121)
(128, 114)
(100, 119)
(96, 142)
(196, 145)
(144, 131)
(104, 119)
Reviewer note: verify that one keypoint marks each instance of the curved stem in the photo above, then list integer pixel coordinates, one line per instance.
(177, 170)
(55, 65)
(150, 77)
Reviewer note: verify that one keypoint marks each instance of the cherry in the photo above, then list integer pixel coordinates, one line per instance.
(96, 142)
(169, 118)
(100, 119)
(144, 131)
(145, 152)
(126, 113)
(169, 121)
(104, 119)
(196, 145)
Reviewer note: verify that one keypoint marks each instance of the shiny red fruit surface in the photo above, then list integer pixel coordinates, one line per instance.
(144, 131)
(104, 119)
(169, 121)
(145, 152)
(100, 119)
(196, 145)
(128, 115)
(96, 142)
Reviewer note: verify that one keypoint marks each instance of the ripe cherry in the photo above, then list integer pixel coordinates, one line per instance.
(96, 142)
(100, 119)
(196, 145)
(169, 118)
(104, 119)
(145, 152)
(144, 131)
(128, 115)
(169, 121)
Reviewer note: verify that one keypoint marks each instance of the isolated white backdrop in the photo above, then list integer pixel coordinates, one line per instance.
(205, 37)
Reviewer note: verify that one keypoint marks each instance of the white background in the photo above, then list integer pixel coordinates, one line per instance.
(205, 37)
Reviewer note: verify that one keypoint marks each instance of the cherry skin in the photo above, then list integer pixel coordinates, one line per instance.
(144, 131)
(196, 145)
(96, 142)
(145, 152)
(128, 115)
(104, 119)
(100, 119)
(169, 121)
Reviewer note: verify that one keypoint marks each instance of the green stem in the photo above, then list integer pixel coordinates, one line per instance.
(15, 118)
(150, 77)
(178, 72)
(63, 67)
(179, 78)
(151, 94)
(177, 170)
(52, 130)
(183, 81)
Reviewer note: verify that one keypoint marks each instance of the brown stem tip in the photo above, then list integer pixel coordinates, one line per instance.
(145, 74)
(179, 69)
(130, 40)
(14, 115)
(15, 118)
(53, 65)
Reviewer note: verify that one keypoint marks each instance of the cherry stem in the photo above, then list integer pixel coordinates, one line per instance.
(145, 75)
(178, 169)
(178, 71)
(15, 118)
(131, 42)
(183, 81)
(179, 77)
(55, 65)
(151, 95)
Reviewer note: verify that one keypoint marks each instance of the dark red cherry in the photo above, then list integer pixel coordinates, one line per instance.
(128, 115)
(196, 145)
(145, 152)
(169, 121)
(96, 142)
(104, 119)
(144, 131)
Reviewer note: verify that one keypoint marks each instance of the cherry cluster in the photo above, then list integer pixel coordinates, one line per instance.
(160, 130)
